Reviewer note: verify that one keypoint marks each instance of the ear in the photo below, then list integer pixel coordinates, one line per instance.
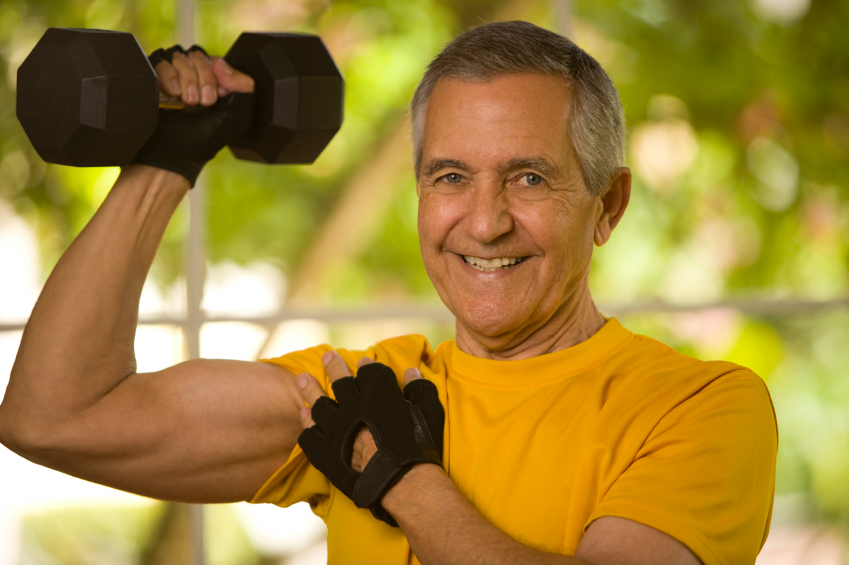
(614, 202)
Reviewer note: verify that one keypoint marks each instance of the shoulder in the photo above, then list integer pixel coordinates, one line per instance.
(660, 383)
(650, 362)
(406, 348)
(399, 353)
(302, 361)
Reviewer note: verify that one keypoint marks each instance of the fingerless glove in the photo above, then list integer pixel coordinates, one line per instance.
(184, 140)
(407, 429)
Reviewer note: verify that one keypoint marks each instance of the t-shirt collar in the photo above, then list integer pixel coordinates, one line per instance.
(537, 370)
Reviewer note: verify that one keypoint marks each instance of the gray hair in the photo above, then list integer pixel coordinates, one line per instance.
(597, 124)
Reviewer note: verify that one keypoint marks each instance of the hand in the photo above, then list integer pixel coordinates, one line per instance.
(364, 447)
(339, 441)
(196, 78)
(184, 141)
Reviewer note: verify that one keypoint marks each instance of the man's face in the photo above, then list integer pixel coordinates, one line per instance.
(499, 180)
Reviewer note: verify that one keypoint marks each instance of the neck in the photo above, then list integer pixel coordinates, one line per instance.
(575, 321)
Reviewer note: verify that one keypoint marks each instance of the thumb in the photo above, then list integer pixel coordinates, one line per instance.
(423, 394)
(229, 79)
(411, 375)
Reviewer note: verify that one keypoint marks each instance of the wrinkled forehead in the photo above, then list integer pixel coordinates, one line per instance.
(524, 90)
(514, 116)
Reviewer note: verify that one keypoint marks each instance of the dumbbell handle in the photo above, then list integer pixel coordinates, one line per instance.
(176, 103)
(170, 102)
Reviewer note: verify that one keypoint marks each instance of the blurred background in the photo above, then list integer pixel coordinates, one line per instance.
(735, 245)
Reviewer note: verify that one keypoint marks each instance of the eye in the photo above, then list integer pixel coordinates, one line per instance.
(452, 178)
(532, 179)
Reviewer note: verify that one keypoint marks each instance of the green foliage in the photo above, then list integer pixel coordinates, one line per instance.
(739, 143)
(77, 536)
(391, 270)
(226, 542)
(122, 535)
(811, 396)
(768, 107)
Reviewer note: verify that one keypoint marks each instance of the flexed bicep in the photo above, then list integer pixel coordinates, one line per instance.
(201, 431)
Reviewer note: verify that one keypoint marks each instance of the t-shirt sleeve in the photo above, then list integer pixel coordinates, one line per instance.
(706, 473)
(297, 480)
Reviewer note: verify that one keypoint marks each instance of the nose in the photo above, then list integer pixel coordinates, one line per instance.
(488, 216)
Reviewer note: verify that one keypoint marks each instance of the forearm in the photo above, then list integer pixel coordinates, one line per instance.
(444, 528)
(78, 343)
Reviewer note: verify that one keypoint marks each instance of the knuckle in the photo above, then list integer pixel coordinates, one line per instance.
(180, 66)
(200, 60)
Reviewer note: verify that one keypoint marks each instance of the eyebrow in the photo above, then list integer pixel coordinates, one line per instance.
(540, 164)
(438, 164)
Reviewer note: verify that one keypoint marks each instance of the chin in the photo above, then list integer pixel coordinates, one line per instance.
(490, 319)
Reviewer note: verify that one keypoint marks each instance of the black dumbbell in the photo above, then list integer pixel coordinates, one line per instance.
(90, 98)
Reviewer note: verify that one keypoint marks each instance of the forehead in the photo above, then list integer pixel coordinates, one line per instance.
(505, 117)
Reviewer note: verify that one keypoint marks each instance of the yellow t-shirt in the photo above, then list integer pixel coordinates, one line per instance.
(619, 425)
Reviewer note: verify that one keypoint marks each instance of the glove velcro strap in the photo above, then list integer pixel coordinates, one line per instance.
(378, 476)
(186, 139)
(172, 160)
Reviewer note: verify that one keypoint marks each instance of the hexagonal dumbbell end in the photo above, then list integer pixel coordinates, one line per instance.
(299, 96)
(87, 98)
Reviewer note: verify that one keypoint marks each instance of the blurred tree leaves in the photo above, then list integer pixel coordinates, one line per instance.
(765, 104)
(76, 536)
(122, 535)
(739, 124)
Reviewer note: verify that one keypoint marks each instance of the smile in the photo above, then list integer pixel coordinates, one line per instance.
(496, 264)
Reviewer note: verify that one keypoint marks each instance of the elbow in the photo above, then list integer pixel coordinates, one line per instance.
(23, 435)
(9, 433)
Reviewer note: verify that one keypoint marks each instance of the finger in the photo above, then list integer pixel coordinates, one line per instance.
(364, 361)
(309, 387)
(207, 82)
(423, 394)
(229, 79)
(188, 77)
(306, 418)
(375, 372)
(345, 389)
(420, 391)
(335, 366)
(364, 449)
(411, 375)
(324, 413)
(168, 80)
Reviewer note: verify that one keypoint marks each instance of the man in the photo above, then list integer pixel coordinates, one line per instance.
(567, 439)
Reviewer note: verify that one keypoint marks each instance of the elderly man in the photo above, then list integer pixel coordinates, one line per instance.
(564, 438)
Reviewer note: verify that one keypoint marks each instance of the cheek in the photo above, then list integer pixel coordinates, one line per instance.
(437, 215)
(576, 238)
(562, 230)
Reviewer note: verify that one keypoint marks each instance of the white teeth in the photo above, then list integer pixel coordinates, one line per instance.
(487, 265)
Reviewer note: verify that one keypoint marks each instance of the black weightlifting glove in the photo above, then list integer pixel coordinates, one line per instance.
(407, 429)
(184, 140)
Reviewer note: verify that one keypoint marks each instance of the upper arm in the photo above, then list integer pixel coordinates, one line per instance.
(618, 541)
(200, 431)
